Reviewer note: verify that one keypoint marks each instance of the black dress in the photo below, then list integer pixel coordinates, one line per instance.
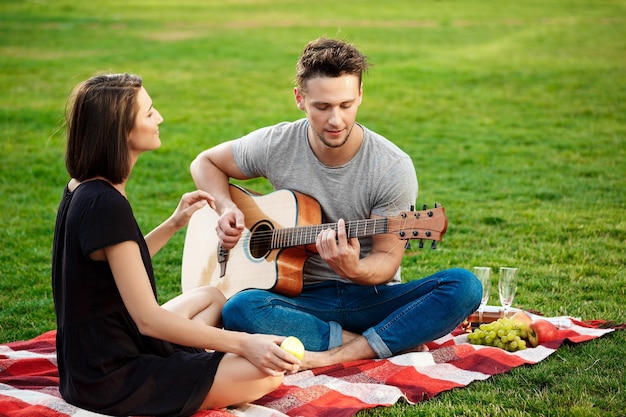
(105, 364)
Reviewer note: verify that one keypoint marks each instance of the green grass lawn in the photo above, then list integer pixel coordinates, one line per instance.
(513, 112)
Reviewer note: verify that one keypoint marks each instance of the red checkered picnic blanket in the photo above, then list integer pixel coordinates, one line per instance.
(29, 377)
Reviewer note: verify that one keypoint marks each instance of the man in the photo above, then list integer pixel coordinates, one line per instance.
(352, 305)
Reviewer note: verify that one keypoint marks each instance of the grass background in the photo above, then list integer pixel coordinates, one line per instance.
(513, 112)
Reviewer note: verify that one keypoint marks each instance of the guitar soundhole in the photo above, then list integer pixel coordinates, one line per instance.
(260, 239)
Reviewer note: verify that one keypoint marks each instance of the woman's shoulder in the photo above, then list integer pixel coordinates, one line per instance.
(99, 194)
(94, 187)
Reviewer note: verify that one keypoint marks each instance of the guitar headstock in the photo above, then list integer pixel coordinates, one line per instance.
(427, 224)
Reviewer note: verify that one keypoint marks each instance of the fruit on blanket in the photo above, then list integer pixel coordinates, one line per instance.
(541, 331)
(514, 333)
(294, 346)
(521, 317)
(504, 333)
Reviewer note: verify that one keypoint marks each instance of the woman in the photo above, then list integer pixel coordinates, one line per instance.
(118, 351)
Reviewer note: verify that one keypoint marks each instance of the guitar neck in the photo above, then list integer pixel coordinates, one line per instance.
(306, 235)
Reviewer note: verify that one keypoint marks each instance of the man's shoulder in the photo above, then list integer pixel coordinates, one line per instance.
(383, 144)
(286, 127)
(278, 130)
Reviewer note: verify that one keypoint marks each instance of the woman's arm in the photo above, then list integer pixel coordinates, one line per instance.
(189, 204)
(155, 321)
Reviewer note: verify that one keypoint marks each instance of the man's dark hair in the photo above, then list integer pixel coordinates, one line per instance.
(329, 58)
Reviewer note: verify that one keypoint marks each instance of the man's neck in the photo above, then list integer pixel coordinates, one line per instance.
(336, 156)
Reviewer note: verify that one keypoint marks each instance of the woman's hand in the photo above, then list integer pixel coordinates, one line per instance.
(188, 205)
(265, 353)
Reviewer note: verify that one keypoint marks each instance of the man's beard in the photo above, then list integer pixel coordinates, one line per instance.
(330, 145)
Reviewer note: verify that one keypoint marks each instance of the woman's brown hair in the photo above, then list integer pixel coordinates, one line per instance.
(102, 112)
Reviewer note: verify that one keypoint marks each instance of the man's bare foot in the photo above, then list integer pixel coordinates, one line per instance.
(418, 348)
(357, 348)
(347, 337)
(312, 360)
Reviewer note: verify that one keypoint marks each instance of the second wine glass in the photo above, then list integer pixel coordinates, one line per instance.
(483, 273)
(507, 286)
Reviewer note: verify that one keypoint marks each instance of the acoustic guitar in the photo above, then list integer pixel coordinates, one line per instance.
(279, 236)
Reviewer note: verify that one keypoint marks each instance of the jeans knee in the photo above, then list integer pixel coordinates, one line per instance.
(469, 287)
(229, 311)
(237, 309)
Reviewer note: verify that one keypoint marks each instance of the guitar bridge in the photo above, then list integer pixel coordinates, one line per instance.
(222, 259)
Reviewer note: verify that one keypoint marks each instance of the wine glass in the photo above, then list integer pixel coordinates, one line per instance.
(507, 285)
(483, 273)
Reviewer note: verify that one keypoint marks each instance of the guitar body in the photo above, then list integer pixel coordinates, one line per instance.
(252, 264)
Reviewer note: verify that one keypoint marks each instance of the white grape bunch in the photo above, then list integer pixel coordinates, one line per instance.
(504, 333)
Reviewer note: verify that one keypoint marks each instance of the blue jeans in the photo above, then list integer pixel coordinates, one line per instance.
(393, 318)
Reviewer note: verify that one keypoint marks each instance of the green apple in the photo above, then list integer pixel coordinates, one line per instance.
(294, 346)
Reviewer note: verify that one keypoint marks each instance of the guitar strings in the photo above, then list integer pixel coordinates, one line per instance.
(304, 235)
(273, 238)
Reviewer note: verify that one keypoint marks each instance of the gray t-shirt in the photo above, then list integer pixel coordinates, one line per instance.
(380, 179)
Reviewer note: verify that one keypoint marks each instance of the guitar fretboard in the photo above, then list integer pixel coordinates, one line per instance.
(305, 235)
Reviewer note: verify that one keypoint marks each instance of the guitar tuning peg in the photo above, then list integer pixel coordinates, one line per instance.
(437, 205)
(412, 207)
(421, 244)
(424, 207)
(433, 245)
(407, 245)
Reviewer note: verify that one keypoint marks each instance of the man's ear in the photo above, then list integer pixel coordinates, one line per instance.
(361, 94)
(299, 98)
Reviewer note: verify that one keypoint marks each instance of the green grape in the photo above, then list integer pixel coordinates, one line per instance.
(503, 333)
